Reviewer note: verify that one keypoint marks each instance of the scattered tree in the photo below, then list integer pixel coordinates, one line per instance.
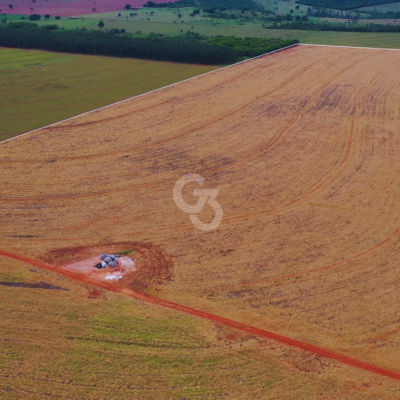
(34, 17)
(101, 24)
(10, 6)
(94, 9)
(128, 7)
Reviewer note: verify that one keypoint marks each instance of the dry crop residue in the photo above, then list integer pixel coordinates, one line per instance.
(304, 149)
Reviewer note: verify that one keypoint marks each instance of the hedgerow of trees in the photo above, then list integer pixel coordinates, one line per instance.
(345, 4)
(247, 5)
(104, 43)
(340, 27)
(250, 46)
(188, 48)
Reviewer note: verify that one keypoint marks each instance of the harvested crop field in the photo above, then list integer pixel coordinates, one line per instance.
(303, 146)
(79, 342)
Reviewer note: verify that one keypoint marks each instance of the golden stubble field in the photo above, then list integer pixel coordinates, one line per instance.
(304, 147)
(78, 342)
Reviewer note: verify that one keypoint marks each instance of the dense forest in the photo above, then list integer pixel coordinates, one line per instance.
(340, 27)
(345, 4)
(251, 46)
(186, 48)
(247, 5)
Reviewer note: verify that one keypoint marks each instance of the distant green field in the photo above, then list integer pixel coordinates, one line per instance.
(357, 39)
(68, 85)
(162, 22)
(284, 7)
(383, 8)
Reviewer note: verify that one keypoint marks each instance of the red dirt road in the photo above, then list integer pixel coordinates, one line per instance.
(211, 317)
(71, 8)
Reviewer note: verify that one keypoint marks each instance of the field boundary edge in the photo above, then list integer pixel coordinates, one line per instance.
(346, 47)
(143, 94)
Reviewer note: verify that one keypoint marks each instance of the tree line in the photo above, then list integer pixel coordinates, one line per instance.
(187, 48)
(339, 27)
(251, 46)
(345, 4)
(222, 5)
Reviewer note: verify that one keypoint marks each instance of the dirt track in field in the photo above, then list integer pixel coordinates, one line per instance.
(304, 147)
(92, 280)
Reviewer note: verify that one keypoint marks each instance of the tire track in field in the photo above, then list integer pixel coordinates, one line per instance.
(150, 185)
(329, 266)
(139, 148)
(146, 108)
(381, 336)
(320, 351)
(294, 120)
(144, 185)
(274, 141)
(185, 226)
(111, 118)
(327, 179)
(330, 175)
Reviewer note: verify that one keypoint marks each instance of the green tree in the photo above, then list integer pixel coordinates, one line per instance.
(128, 7)
(10, 6)
(34, 17)
(101, 24)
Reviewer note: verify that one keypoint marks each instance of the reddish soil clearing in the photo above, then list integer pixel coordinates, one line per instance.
(125, 266)
(67, 8)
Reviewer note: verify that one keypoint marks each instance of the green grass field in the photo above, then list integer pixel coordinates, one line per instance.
(284, 7)
(380, 40)
(162, 22)
(383, 8)
(68, 85)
